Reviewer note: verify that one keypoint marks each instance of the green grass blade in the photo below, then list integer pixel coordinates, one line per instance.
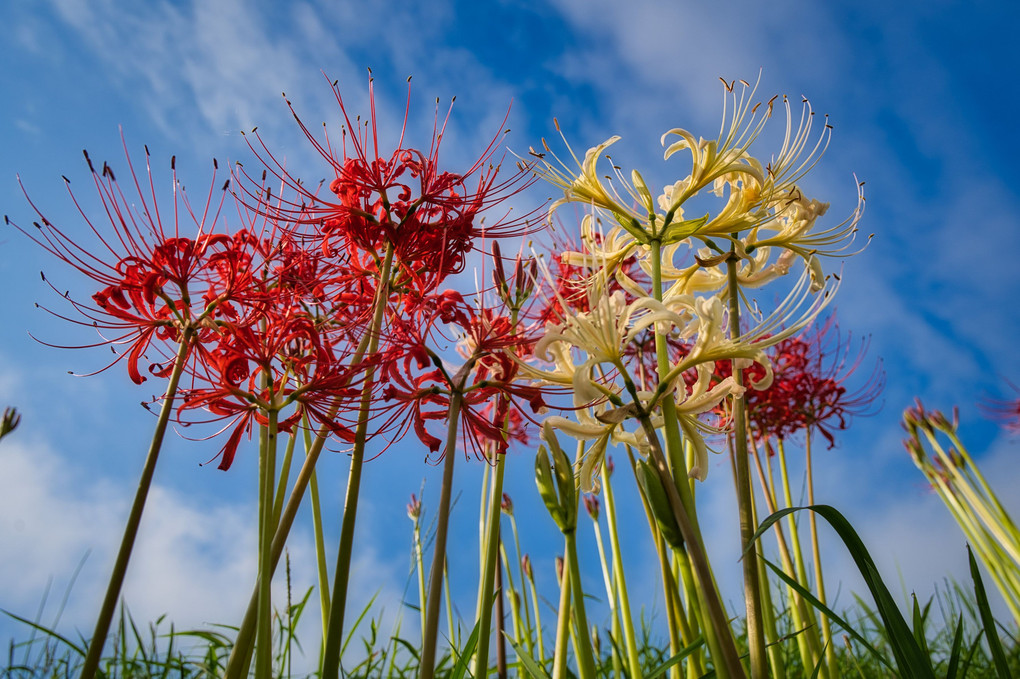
(911, 660)
(460, 669)
(994, 645)
(825, 610)
(957, 649)
(683, 653)
(64, 640)
(529, 664)
(919, 623)
(357, 623)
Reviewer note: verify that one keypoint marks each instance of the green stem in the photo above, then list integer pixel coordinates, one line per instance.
(240, 654)
(341, 577)
(619, 578)
(538, 618)
(453, 630)
(816, 555)
(485, 590)
(281, 486)
(529, 642)
(102, 629)
(802, 617)
(267, 474)
(428, 655)
(562, 625)
(419, 562)
(320, 549)
(585, 661)
(752, 589)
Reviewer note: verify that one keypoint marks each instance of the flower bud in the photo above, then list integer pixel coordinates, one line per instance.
(507, 505)
(658, 501)
(414, 509)
(526, 566)
(591, 503)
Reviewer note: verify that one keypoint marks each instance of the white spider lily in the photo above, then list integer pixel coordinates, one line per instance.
(589, 188)
(727, 155)
(588, 428)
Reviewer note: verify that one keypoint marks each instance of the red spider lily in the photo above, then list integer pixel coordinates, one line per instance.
(154, 280)
(284, 361)
(430, 217)
(1007, 412)
(486, 381)
(809, 389)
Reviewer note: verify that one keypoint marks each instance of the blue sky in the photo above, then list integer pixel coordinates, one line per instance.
(921, 100)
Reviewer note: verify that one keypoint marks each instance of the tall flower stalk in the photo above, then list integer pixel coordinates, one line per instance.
(165, 284)
(959, 483)
(631, 286)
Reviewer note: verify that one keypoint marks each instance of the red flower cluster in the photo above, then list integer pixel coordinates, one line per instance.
(1007, 412)
(315, 298)
(809, 385)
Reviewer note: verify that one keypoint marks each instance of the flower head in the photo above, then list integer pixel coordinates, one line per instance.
(161, 276)
(401, 199)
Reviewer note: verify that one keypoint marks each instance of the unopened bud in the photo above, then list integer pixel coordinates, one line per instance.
(507, 505)
(658, 501)
(526, 566)
(414, 508)
(591, 503)
(559, 569)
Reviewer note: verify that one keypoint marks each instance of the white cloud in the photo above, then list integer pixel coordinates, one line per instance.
(194, 559)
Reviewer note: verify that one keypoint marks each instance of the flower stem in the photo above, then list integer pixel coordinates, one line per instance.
(429, 635)
(752, 589)
(484, 617)
(341, 577)
(562, 625)
(267, 474)
(127, 543)
(830, 651)
(585, 660)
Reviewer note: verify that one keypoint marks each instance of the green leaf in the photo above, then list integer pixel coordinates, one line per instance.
(954, 654)
(528, 664)
(67, 642)
(811, 599)
(683, 653)
(460, 669)
(994, 645)
(678, 231)
(911, 660)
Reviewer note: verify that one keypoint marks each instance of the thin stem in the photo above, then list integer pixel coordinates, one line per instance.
(585, 661)
(538, 618)
(428, 654)
(619, 578)
(419, 566)
(127, 543)
(752, 589)
(341, 577)
(830, 651)
(500, 620)
(562, 624)
(489, 567)
(240, 654)
(267, 474)
(524, 595)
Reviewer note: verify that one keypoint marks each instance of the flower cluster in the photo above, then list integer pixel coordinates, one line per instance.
(809, 385)
(639, 319)
(315, 298)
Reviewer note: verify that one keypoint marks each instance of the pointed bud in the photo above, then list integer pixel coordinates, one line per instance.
(658, 502)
